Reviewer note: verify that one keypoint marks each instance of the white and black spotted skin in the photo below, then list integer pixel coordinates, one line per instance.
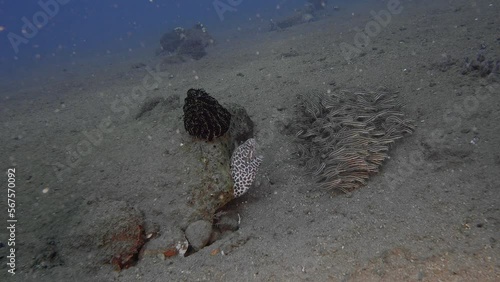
(244, 166)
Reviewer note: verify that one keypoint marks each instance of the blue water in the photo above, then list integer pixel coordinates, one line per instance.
(66, 29)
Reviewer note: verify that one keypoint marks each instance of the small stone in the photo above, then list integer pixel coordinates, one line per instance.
(198, 234)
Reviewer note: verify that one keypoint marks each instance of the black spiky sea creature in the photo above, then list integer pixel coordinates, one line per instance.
(204, 117)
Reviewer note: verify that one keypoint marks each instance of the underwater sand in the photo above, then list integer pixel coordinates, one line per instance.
(433, 213)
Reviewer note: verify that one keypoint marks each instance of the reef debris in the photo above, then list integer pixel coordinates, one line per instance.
(189, 43)
(111, 232)
(481, 66)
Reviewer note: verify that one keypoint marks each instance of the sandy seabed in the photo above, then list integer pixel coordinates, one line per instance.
(432, 214)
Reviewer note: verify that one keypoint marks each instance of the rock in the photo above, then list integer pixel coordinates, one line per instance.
(187, 42)
(211, 184)
(241, 127)
(481, 66)
(111, 232)
(170, 41)
(201, 181)
(168, 244)
(192, 48)
(198, 234)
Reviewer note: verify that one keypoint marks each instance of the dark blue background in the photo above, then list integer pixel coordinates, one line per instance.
(85, 26)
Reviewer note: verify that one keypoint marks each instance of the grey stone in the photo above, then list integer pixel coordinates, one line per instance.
(198, 233)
